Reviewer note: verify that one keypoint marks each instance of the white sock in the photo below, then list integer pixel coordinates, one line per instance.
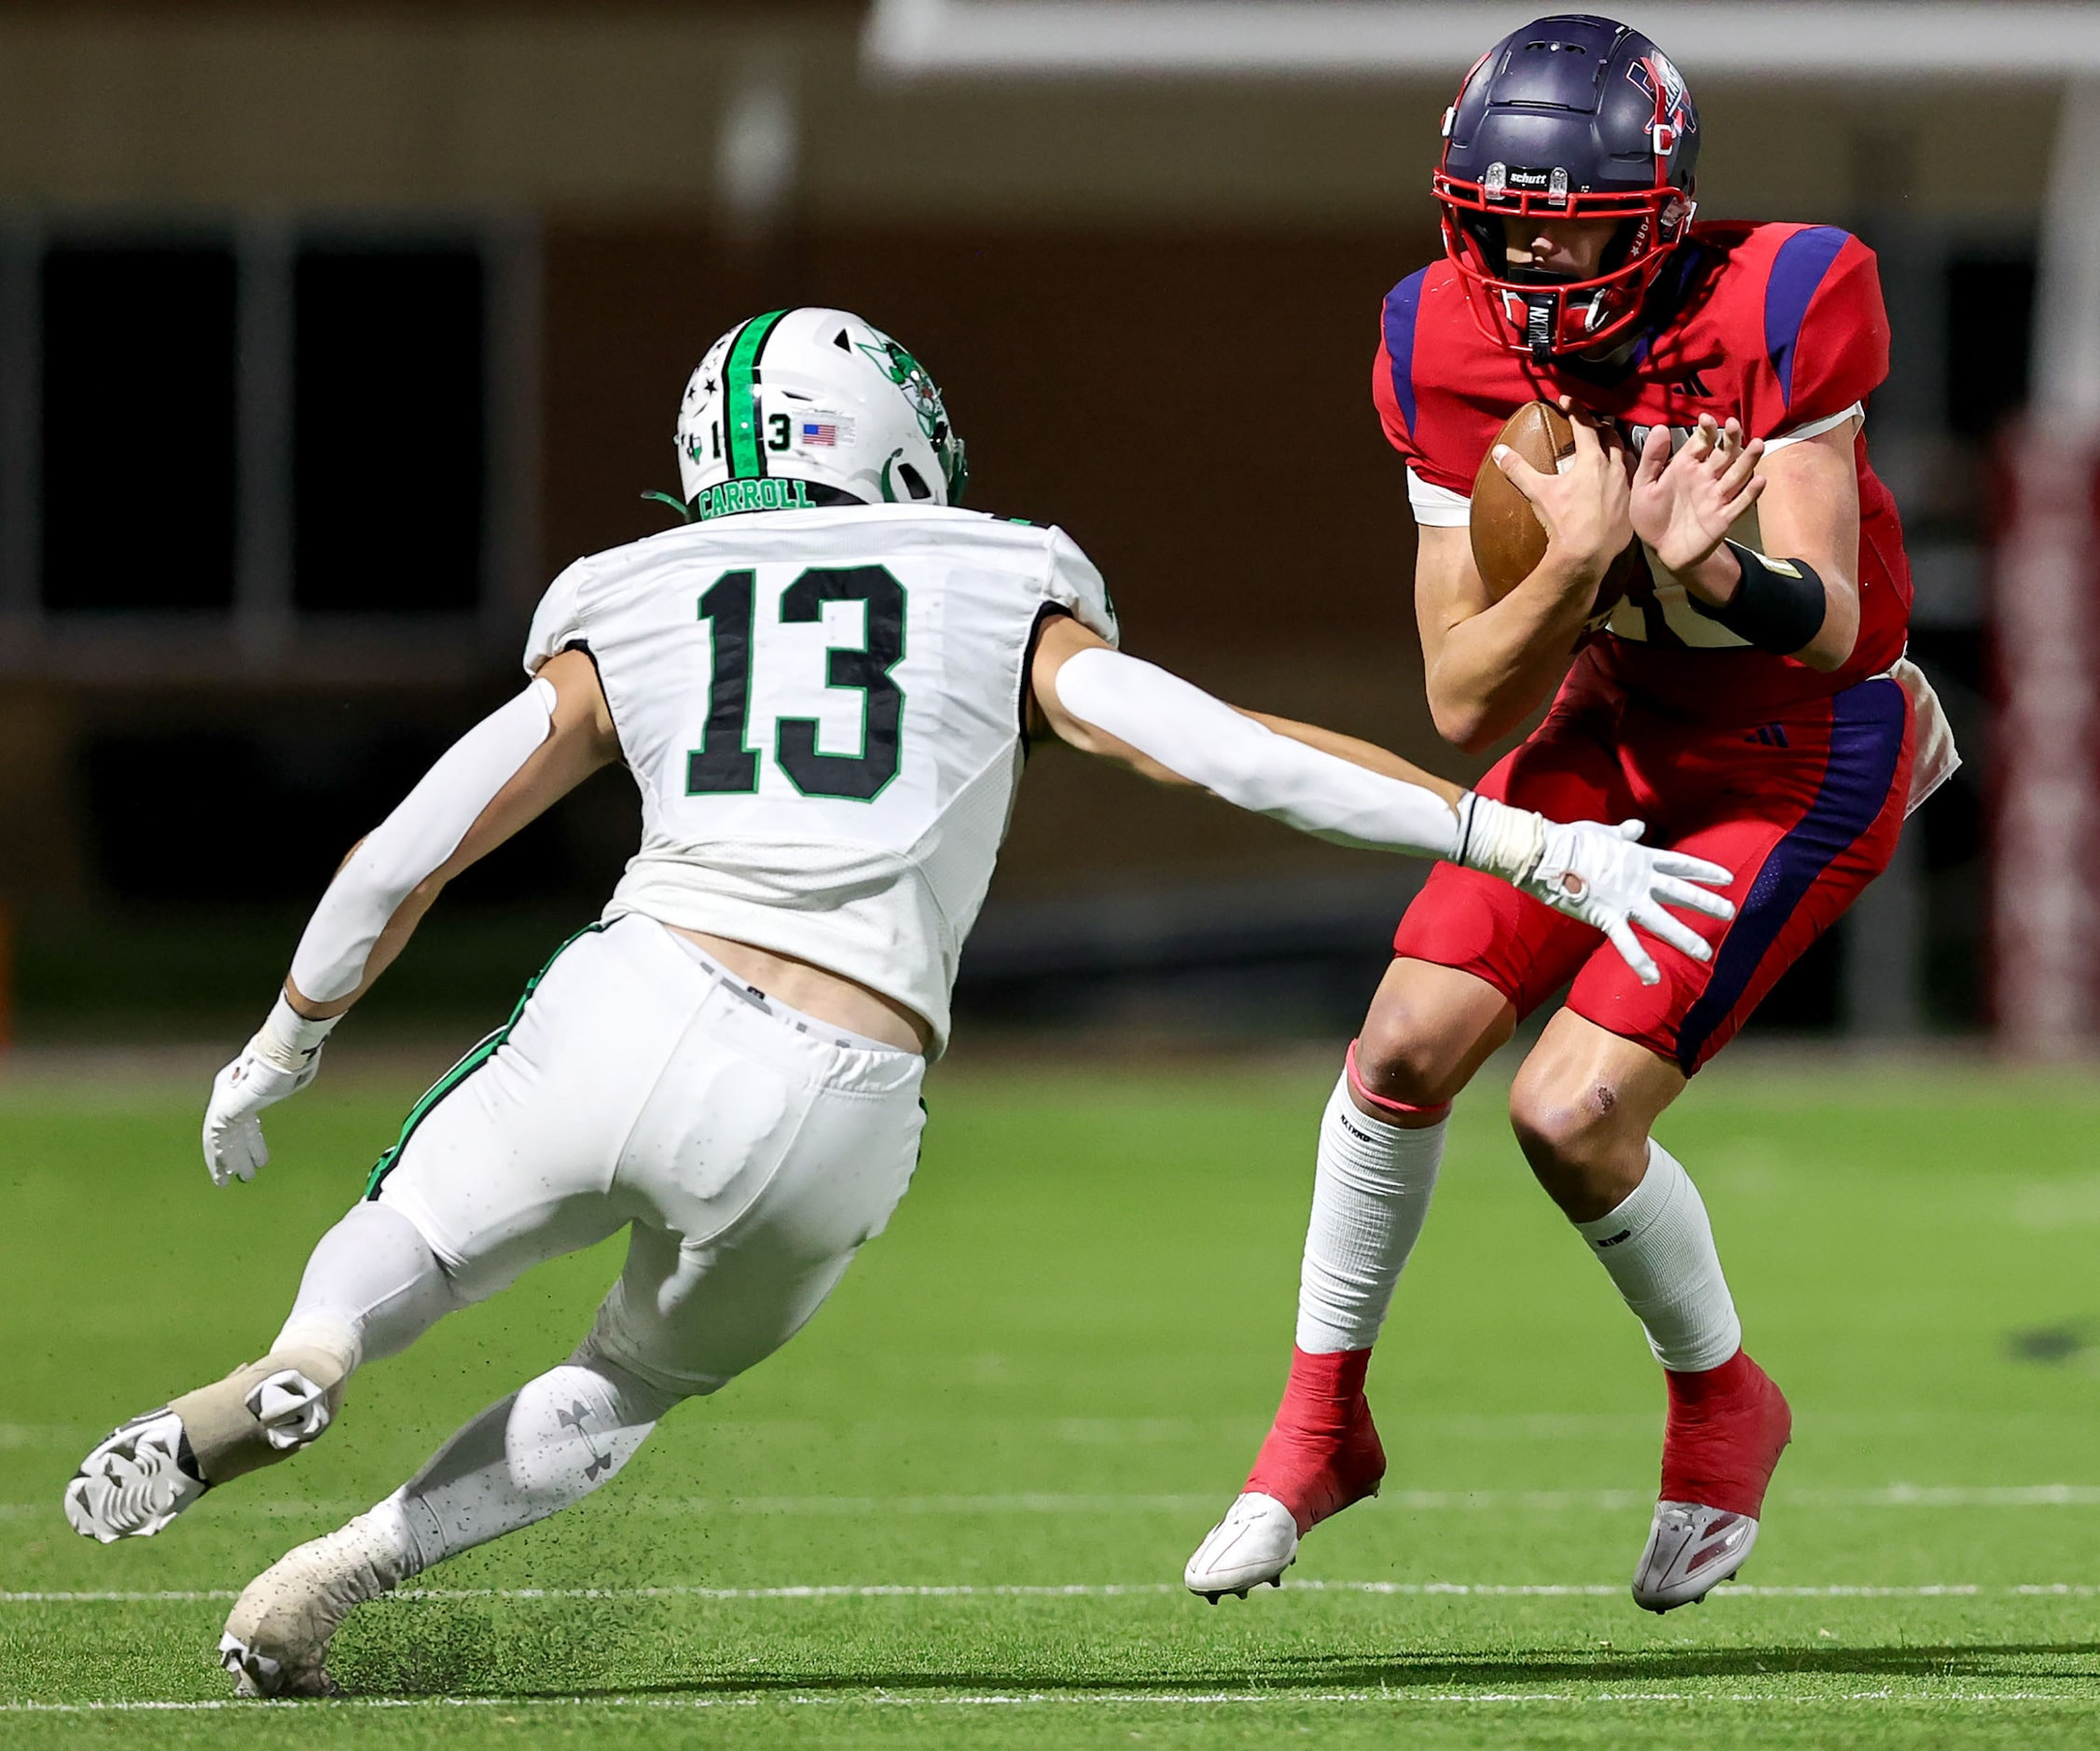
(372, 1287)
(1659, 1248)
(1370, 1192)
(545, 1448)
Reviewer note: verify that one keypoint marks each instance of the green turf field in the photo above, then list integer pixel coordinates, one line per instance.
(954, 1511)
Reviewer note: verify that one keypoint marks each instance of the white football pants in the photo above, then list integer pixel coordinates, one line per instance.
(753, 1149)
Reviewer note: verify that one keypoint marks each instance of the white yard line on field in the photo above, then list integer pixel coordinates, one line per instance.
(1050, 1502)
(1402, 1696)
(1113, 1590)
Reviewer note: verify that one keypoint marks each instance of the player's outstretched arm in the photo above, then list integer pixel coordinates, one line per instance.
(1105, 703)
(506, 771)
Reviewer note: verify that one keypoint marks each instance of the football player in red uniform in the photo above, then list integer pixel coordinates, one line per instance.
(1746, 697)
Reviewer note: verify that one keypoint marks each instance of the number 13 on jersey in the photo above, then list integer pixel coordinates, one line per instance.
(751, 643)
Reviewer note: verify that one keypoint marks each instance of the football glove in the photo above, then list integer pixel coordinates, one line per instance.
(1599, 875)
(282, 1059)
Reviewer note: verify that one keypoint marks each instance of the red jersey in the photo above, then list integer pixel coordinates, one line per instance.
(1781, 326)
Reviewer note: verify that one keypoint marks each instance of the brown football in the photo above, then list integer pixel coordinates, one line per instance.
(1508, 539)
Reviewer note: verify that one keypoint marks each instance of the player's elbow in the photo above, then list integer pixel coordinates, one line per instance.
(1466, 724)
(1838, 636)
(1467, 707)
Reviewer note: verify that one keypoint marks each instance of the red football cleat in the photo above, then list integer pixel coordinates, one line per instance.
(1727, 1428)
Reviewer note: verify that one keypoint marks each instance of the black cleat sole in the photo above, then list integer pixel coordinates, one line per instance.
(1241, 1593)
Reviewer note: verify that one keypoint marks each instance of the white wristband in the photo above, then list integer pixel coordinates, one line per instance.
(289, 1039)
(1499, 840)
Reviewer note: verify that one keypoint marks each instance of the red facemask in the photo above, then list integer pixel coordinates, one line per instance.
(1545, 318)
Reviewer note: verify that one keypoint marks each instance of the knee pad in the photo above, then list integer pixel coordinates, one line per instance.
(264, 1413)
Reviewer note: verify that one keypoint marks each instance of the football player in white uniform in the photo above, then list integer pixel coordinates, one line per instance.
(824, 687)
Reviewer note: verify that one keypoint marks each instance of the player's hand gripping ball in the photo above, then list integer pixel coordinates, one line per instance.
(1507, 538)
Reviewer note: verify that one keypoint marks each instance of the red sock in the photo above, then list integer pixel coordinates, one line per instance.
(1726, 1431)
(1323, 1451)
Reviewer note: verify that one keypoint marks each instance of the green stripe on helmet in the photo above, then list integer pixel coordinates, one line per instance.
(740, 403)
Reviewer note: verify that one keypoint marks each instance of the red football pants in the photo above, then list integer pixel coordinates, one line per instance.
(1804, 809)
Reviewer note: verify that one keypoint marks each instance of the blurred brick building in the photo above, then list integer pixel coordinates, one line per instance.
(329, 332)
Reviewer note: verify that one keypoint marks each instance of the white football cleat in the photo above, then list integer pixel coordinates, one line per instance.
(277, 1634)
(1691, 1551)
(1255, 1542)
(134, 1482)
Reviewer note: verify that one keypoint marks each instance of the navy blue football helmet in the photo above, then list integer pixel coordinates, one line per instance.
(1570, 118)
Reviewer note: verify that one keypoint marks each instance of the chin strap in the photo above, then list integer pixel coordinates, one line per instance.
(1539, 308)
(684, 510)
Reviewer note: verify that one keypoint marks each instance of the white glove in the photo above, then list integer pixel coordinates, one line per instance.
(281, 1059)
(1599, 875)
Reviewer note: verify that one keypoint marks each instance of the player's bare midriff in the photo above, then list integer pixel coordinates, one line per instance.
(816, 991)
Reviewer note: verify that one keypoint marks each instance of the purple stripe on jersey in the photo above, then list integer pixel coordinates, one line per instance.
(1796, 270)
(1403, 303)
(1866, 723)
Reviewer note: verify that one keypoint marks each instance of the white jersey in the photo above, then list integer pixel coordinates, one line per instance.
(823, 709)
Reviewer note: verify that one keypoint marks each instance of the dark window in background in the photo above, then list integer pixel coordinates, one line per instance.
(1990, 328)
(1990, 333)
(387, 444)
(138, 442)
(194, 933)
(156, 816)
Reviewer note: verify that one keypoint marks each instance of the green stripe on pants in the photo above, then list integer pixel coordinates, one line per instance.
(466, 1068)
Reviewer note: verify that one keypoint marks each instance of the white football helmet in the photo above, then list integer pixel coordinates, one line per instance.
(813, 406)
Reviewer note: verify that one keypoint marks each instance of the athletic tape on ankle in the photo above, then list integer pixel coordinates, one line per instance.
(226, 1436)
(1398, 1109)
